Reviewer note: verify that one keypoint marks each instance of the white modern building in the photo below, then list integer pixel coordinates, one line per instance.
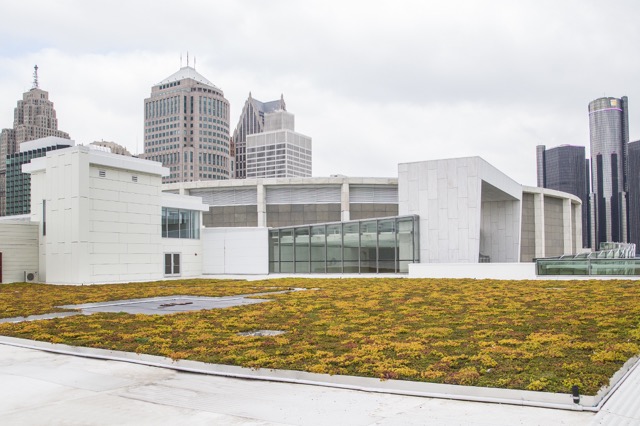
(278, 151)
(98, 217)
(102, 217)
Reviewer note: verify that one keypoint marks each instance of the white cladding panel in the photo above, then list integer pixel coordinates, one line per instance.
(235, 251)
(19, 248)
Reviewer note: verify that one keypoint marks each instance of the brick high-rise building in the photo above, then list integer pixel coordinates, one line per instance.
(33, 118)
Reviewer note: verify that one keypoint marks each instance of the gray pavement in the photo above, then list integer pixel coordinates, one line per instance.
(41, 388)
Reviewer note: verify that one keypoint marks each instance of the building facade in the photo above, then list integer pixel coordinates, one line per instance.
(101, 217)
(33, 118)
(18, 183)
(251, 121)
(634, 194)
(565, 168)
(278, 151)
(186, 128)
(113, 147)
(609, 137)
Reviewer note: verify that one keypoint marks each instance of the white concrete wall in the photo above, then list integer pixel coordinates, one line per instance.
(448, 196)
(235, 250)
(19, 248)
(99, 228)
(124, 218)
(498, 271)
(500, 231)
(191, 255)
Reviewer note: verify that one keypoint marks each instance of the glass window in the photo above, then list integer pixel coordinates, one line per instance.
(302, 249)
(365, 246)
(318, 249)
(178, 223)
(172, 263)
(286, 250)
(387, 246)
(350, 247)
(274, 251)
(368, 246)
(334, 248)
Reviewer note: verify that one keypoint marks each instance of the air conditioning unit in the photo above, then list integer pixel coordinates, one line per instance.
(30, 277)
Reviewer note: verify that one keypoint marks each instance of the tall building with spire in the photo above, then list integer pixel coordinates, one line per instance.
(251, 121)
(609, 137)
(33, 118)
(186, 127)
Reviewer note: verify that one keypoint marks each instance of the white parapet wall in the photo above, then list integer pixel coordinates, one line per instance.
(235, 251)
(19, 248)
(497, 271)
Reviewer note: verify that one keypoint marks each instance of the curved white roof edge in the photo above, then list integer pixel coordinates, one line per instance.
(550, 192)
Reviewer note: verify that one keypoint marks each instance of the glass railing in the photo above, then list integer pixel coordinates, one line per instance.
(588, 266)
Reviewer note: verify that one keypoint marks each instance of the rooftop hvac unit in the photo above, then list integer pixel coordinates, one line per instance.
(30, 277)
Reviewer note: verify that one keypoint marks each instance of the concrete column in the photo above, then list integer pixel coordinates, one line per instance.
(538, 219)
(261, 205)
(344, 202)
(567, 219)
(577, 219)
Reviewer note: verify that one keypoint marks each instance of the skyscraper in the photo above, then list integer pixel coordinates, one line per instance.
(609, 135)
(251, 121)
(186, 127)
(565, 168)
(634, 194)
(278, 151)
(33, 118)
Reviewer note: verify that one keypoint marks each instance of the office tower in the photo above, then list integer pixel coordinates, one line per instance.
(186, 127)
(278, 151)
(33, 118)
(251, 121)
(565, 168)
(609, 135)
(18, 183)
(634, 194)
(112, 147)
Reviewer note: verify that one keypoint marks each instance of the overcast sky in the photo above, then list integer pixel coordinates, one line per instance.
(374, 83)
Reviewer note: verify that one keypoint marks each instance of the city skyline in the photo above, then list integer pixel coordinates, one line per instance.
(376, 84)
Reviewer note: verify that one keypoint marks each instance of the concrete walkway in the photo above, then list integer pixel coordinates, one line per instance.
(41, 388)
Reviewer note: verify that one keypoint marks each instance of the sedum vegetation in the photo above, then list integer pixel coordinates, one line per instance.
(536, 335)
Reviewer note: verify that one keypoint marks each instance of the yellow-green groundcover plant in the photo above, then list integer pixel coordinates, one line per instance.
(536, 335)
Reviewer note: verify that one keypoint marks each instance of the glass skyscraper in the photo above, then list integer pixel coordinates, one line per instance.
(634, 194)
(609, 136)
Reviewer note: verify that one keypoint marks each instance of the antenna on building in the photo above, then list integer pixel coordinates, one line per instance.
(187, 58)
(35, 77)
(180, 59)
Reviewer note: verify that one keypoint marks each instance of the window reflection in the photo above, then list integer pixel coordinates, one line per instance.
(385, 245)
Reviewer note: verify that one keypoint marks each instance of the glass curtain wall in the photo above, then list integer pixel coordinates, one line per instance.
(386, 245)
(177, 223)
